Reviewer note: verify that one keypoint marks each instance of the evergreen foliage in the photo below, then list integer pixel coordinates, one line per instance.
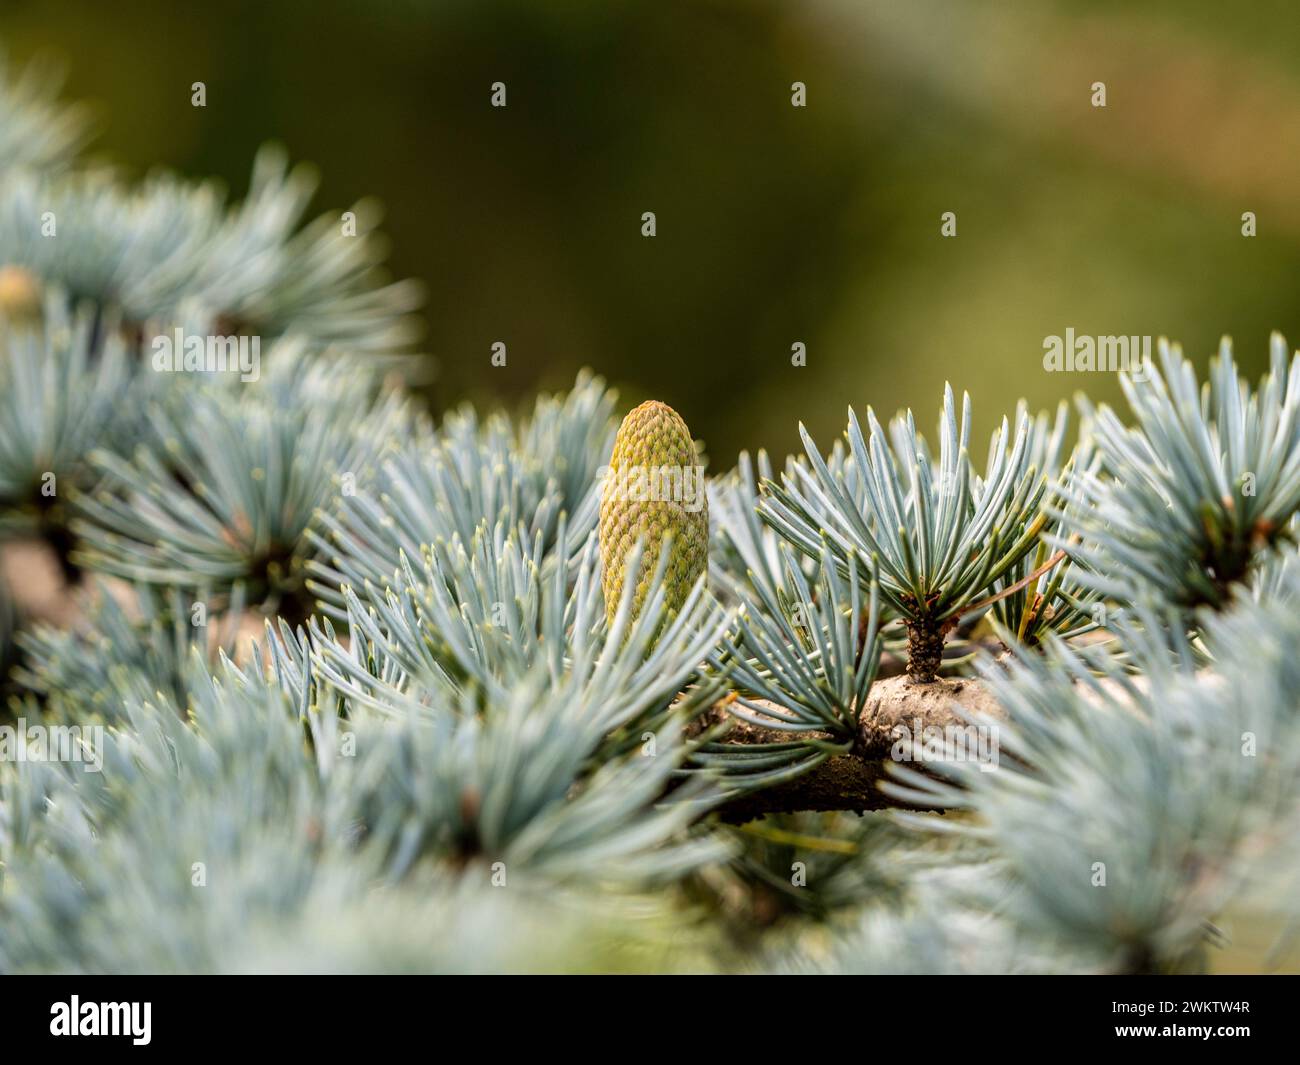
(462, 740)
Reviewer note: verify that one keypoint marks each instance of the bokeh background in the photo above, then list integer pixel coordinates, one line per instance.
(775, 224)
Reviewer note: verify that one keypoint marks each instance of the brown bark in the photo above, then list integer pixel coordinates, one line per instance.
(851, 781)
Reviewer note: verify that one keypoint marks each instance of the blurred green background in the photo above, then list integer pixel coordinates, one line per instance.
(775, 224)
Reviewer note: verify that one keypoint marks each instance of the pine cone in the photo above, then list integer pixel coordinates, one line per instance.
(654, 487)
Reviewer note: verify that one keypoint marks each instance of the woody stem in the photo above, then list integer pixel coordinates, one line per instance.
(925, 639)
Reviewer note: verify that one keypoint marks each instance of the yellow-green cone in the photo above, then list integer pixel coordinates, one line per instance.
(654, 486)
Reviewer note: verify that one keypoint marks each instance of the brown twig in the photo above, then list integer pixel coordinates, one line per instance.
(851, 782)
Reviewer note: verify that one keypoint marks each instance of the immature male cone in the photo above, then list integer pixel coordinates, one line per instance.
(654, 487)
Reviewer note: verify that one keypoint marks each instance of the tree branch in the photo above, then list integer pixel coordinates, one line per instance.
(851, 782)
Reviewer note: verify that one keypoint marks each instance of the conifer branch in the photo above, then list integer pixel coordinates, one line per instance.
(851, 781)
